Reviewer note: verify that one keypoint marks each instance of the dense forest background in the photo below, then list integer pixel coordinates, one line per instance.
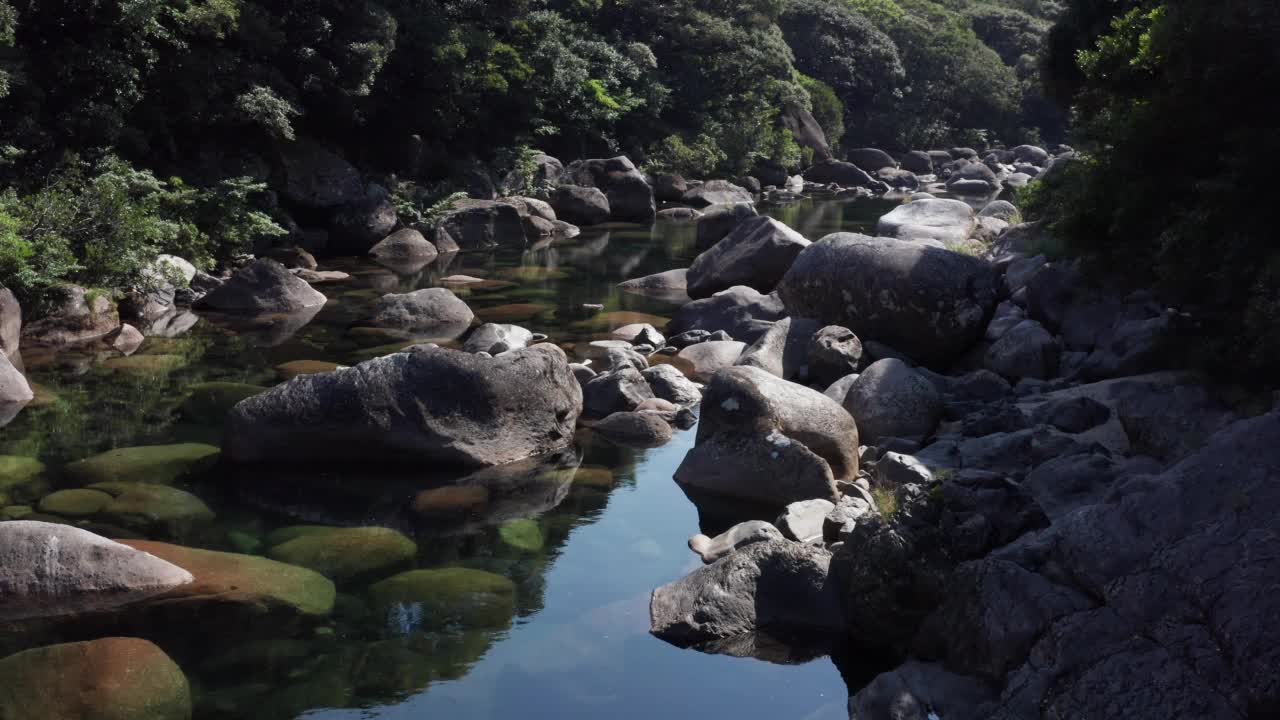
(133, 126)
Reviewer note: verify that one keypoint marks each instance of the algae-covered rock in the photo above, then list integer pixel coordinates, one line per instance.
(74, 503)
(208, 403)
(446, 596)
(153, 509)
(253, 583)
(107, 679)
(343, 554)
(522, 535)
(22, 478)
(152, 464)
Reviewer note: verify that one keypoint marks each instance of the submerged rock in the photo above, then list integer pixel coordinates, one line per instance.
(344, 554)
(108, 679)
(158, 464)
(247, 583)
(767, 585)
(442, 597)
(48, 570)
(428, 403)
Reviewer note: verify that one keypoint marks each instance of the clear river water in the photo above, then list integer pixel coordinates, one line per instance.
(583, 547)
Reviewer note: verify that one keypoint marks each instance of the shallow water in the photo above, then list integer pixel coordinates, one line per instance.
(584, 544)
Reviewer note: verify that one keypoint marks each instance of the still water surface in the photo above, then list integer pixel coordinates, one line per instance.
(583, 548)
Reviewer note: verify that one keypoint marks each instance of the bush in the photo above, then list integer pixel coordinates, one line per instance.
(1166, 94)
(696, 159)
(102, 225)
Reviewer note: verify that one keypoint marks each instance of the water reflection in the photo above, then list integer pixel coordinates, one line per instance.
(528, 589)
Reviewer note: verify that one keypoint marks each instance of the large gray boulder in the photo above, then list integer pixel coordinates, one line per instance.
(889, 399)
(430, 312)
(358, 226)
(581, 205)
(930, 303)
(704, 359)
(263, 286)
(318, 179)
(48, 570)
(14, 388)
(947, 221)
(1026, 350)
(10, 322)
(841, 173)
(749, 401)
(404, 246)
(834, 352)
(717, 192)
(783, 350)
(669, 285)
(743, 312)
(480, 225)
(973, 179)
(720, 220)
(756, 253)
(775, 585)
(427, 403)
(671, 385)
(1170, 576)
(1031, 154)
(918, 162)
(620, 390)
(871, 159)
(76, 316)
(629, 194)
(495, 338)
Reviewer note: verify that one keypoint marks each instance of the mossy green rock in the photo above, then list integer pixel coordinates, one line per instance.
(449, 596)
(78, 502)
(255, 583)
(522, 535)
(107, 679)
(22, 478)
(146, 364)
(151, 509)
(283, 535)
(208, 403)
(343, 554)
(157, 464)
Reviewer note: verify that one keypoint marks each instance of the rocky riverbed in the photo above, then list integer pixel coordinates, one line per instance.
(932, 443)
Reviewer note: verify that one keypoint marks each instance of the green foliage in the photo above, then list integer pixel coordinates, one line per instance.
(102, 225)
(1165, 94)
(827, 109)
(422, 207)
(260, 106)
(696, 159)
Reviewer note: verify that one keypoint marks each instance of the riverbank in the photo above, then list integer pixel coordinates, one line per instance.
(933, 415)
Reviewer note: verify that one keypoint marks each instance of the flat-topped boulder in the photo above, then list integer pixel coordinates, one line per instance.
(756, 253)
(263, 286)
(75, 315)
(948, 221)
(405, 246)
(473, 225)
(48, 570)
(930, 303)
(844, 174)
(629, 194)
(427, 403)
(717, 192)
(743, 312)
(430, 312)
(773, 585)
